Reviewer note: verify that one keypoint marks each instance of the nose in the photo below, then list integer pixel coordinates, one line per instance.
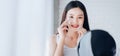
(75, 20)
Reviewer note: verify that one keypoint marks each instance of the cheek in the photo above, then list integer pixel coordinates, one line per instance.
(81, 21)
(67, 18)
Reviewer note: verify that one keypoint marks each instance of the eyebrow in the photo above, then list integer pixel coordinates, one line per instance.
(78, 15)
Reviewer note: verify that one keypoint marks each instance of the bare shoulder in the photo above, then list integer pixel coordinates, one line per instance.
(52, 45)
(52, 40)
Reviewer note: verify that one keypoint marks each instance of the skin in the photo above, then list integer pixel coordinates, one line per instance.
(68, 31)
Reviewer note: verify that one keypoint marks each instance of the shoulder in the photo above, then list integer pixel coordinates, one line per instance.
(52, 39)
(52, 45)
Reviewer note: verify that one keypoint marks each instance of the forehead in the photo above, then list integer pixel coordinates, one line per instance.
(75, 11)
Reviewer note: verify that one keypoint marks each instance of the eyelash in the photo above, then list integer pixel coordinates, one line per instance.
(71, 16)
(78, 17)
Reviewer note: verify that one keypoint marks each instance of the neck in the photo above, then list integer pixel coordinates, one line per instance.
(71, 39)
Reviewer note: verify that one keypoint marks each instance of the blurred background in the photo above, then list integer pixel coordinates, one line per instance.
(26, 25)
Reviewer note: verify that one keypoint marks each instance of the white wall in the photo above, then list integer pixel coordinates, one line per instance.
(7, 26)
(103, 14)
(25, 26)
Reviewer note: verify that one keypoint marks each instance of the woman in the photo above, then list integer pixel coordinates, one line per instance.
(73, 26)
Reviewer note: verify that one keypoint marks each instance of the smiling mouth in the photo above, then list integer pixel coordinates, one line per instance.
(75, 26)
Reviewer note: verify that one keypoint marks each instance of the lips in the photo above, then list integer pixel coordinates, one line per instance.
(75, 26)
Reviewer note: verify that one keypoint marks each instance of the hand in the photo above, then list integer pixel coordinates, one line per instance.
(82, 31)
(63, 29)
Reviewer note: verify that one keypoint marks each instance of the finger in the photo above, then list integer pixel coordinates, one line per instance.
(65, 29)
(65, 24)
(68, 23)
(82, 31)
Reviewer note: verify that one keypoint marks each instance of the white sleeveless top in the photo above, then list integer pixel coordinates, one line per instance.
(69, 51)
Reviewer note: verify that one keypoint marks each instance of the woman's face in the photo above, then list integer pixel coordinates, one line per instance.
(75, 17)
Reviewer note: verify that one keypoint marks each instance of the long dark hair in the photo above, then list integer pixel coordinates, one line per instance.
(76, 4)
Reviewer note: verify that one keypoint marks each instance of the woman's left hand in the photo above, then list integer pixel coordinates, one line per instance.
(82, 31)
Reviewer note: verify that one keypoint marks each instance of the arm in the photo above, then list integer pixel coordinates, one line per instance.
(59, 48)
(52, 45)
(56, 49)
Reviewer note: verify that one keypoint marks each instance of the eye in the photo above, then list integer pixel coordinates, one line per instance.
(79, 17)
(71, 17)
